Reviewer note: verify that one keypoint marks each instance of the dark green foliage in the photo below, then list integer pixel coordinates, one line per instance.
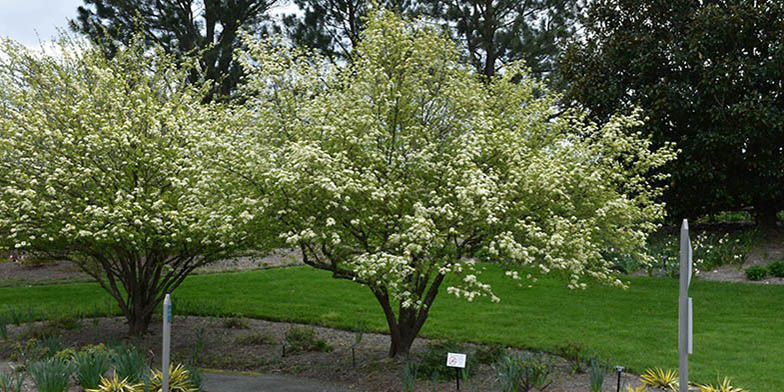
(432, 362)
(305, 339)
(493, 33)
(196, 27)
(524, 372)
(4, 326)
(130, 363)
(756, 272)
(708, 75)
(62, 322)
(91, 366)
(235, 323)
(490, 354)
(777, 269)
(194, 376)
(332, 27)
(51, 375)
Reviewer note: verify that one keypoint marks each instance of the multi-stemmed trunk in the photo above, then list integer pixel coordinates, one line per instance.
(405, 326)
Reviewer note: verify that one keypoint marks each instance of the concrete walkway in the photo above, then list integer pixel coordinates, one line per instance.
(233, 382)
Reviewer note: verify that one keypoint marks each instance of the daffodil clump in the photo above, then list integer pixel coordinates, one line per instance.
(393, 170)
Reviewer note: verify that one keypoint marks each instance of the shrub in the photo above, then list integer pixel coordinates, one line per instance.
(659, 378)
(305, 339)
(11, 381)
(179, 380)
(51, 375)
(524, 372)
(3, 327)
(91, 367)
(488, 355)
(256, 339)
(114, 384)
(64, 322)
(432, 363)
(777, 269)
(235, 323)
(130, 364)
(756, 272)
(574, 353)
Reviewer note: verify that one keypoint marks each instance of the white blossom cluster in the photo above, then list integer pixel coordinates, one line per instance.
(391, 170)
(100, 160)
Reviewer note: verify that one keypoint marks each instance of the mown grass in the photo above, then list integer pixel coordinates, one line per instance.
(738, 328)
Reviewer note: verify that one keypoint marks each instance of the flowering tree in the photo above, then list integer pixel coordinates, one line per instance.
(98, 166)
(393, 171)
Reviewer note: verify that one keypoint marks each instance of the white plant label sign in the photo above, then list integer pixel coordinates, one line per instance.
(455, 360)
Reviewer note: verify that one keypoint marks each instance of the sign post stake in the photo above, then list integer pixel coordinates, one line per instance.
(167, 319)
(684, 308)
(457, 361)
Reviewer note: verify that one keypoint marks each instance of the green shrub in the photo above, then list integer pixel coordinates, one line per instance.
(524, 372)
(91, 367)
(11, 381)
(256, 339)
(64, 322)
(51, 375)
(756, 272)
(179, 380)
(777, 269)
(574, 354)
(3, 327)
(489, 354)
(432, 362)
(114, 384)
(305, 339)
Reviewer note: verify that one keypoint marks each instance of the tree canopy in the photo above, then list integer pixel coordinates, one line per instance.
(204, 28)
(709, 77)
(393, 171)
(99, 166)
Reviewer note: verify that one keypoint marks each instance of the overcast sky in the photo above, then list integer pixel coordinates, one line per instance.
(26, 20)
(21, 19)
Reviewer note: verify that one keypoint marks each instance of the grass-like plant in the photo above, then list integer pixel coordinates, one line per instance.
(129, 363)
(115, 384)
(597, 371)
(91, 367)
(51, 375)
(3, 327)
(641, 388)
(305, 339)
(523, 373)
(235, 323)
(756, 272)
(574, 353)
(409, 376)
(724, 386)
(660, 378)
(257, 339)
(11, 381)
(179, 380)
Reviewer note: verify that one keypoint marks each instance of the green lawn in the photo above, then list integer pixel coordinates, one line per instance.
(738, 328)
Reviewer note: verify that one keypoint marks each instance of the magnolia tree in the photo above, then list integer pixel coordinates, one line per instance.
(392, 171)
(99, 166)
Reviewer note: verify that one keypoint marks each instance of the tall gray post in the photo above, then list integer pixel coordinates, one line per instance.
(684, 308)
(167, 320)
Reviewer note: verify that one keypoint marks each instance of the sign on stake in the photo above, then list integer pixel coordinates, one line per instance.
(457, 361)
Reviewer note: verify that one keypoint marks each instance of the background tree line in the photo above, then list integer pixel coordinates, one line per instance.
(708, 75)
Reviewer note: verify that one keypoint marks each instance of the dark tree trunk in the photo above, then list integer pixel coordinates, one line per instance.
(765, 216)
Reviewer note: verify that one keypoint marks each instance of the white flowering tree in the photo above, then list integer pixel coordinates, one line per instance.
(392, 171)
(99, 166)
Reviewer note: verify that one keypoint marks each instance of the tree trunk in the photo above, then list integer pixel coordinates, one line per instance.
(765, 217)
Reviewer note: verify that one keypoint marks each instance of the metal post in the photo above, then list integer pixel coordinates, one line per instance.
(457, 378)
(619, 369)
(684, 308)
(167, 319)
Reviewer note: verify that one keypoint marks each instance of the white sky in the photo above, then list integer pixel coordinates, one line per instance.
(27, 20)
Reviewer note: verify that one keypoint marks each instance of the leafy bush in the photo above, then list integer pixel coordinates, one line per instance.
(64, 322)
(524, 372)
(659, 378)
(129, 363)
(256, 339)
(756, 272)
(490, 354)
(777, 269)
(91, 367)
(11, 381)
(51, 375)
(115, 384)
(432, 363)
(179, 380)
(305, 339)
